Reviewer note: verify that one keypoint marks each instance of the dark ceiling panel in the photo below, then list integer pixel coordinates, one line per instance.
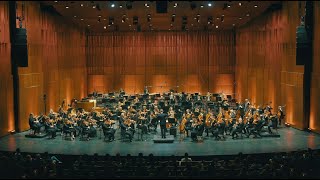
(224, 14)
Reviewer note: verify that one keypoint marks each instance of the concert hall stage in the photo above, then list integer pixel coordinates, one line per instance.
(290, 140)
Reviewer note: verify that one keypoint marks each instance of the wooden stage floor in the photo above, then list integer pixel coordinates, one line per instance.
(290, 140)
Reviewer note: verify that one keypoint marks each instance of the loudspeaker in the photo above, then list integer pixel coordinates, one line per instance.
(162, 6)
(303, 46)
(20, 48)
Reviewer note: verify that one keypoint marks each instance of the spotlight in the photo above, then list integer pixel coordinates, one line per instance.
(209, 4)
(112, 5)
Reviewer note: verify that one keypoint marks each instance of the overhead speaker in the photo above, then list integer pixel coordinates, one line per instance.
(21, 48)
(303, 45)
(162, 6)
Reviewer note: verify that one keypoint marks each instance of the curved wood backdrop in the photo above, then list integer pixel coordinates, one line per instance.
(315, 79)
(57, 63)
(6, 86)
(183, 61)
(266, 62)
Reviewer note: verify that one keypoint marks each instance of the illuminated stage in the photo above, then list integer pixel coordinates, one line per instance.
(290, 140)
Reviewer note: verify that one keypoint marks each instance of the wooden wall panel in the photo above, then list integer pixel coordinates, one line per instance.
(163, 60)
(266, 69)
(6, 83)
(315, 79)
(57, 63)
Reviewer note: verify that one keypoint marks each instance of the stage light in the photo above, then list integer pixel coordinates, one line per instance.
(209, 4)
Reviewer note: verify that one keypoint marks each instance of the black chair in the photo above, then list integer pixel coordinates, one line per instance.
(67, 130)
(256, 130)
(109, 134)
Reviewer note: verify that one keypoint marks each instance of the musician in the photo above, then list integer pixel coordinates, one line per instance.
(50, 127)
(34, 124)
(146, 91)
(108, 131)
(152, 121)
(246, 105)
(280, 115)
(162, 118)
(171, 97)
(208, 96)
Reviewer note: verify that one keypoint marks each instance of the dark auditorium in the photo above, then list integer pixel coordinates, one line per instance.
(159, 89)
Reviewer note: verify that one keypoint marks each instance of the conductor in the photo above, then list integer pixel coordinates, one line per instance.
(162, 118)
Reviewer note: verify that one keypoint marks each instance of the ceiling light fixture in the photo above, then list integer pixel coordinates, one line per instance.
(81, 5)
(209, 4)
(201, 6)
(67, 7)
(217, 27)
(248, 15)
(94, 6)
(88, 25)
(55, 1)
(120, 6)
(99, 16)
(75, 16)
(240, 4)
(175, 5)
(228, 5)
(240, 18)
(255, 6)
(104, 27)
(81, 19)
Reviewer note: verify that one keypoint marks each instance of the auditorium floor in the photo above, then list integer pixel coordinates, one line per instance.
(290, 139)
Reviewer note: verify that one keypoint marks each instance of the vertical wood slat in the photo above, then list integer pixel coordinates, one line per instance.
(266, 68)
(57, 63)
(195, 61)
(6, 83)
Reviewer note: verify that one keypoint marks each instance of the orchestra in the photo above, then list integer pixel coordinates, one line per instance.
(183, 111)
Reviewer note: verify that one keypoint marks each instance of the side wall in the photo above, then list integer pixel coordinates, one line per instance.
(266, 69)
(57, 63)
